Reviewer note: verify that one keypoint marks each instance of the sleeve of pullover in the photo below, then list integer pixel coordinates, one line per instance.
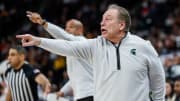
(156, 74)
(67, 89)
(81, 49)
(59, 33)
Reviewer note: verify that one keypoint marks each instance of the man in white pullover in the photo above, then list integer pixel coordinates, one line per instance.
(125, 67)
(79, 71)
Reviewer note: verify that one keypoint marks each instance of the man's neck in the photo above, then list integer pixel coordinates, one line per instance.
(19, 66)
(118, 38)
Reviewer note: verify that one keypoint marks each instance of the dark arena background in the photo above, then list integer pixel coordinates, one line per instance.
(154, 20)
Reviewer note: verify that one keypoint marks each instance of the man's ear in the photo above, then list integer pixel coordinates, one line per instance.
(122, 25)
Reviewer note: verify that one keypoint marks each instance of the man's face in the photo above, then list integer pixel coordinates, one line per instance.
(177, 87)
(110, 24)
(14, 58)
(168, 88)
(71, 28)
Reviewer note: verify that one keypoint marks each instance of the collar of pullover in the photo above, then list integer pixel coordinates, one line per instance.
(122, 40)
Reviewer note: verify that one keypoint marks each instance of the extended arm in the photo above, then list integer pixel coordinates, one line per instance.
(81, 49)
(55, 31)
(59, 33)
(44, 82)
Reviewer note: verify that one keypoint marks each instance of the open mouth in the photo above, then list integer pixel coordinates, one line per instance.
(103, 31)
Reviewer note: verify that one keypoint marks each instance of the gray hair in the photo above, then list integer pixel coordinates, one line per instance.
(123, 15)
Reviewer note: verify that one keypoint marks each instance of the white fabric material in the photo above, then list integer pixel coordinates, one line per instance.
(140, 71)
(3, 66)
(53, 97)
(79, 71)
(67, 89)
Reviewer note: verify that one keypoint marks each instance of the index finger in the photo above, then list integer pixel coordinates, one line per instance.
(20, 36)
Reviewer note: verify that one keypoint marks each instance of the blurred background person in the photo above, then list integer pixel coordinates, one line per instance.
(79, 71)
(170, 95)
(177, 88)
(22, 79)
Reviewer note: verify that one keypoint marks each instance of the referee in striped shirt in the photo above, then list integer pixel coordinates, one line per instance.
(22, 78)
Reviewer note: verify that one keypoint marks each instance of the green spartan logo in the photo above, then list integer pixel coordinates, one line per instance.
(133, 51)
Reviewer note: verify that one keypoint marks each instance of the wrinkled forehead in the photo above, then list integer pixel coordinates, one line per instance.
(111, 13)
(70, 23)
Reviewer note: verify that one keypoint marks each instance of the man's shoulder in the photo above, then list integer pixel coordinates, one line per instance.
(80, 37)
(30, 70)
(29, 67)
(140, 42)
(7, 71)
(137, 39)
(144, 45)
(100, 39)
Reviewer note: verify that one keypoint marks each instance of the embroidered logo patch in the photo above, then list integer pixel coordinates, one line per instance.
(133, 51)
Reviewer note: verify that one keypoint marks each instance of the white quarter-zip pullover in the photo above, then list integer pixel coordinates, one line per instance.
(127, 72)
(79, 71)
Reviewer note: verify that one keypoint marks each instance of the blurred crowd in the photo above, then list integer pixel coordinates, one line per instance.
(154, 20)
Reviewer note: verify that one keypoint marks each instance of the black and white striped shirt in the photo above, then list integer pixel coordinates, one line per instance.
(22, 83)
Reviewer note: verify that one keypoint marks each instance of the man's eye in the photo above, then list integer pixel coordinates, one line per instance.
(108, 19)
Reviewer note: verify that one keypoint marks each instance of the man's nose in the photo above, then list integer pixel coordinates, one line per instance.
(102, 23)
(67, 29)
(9, 58)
